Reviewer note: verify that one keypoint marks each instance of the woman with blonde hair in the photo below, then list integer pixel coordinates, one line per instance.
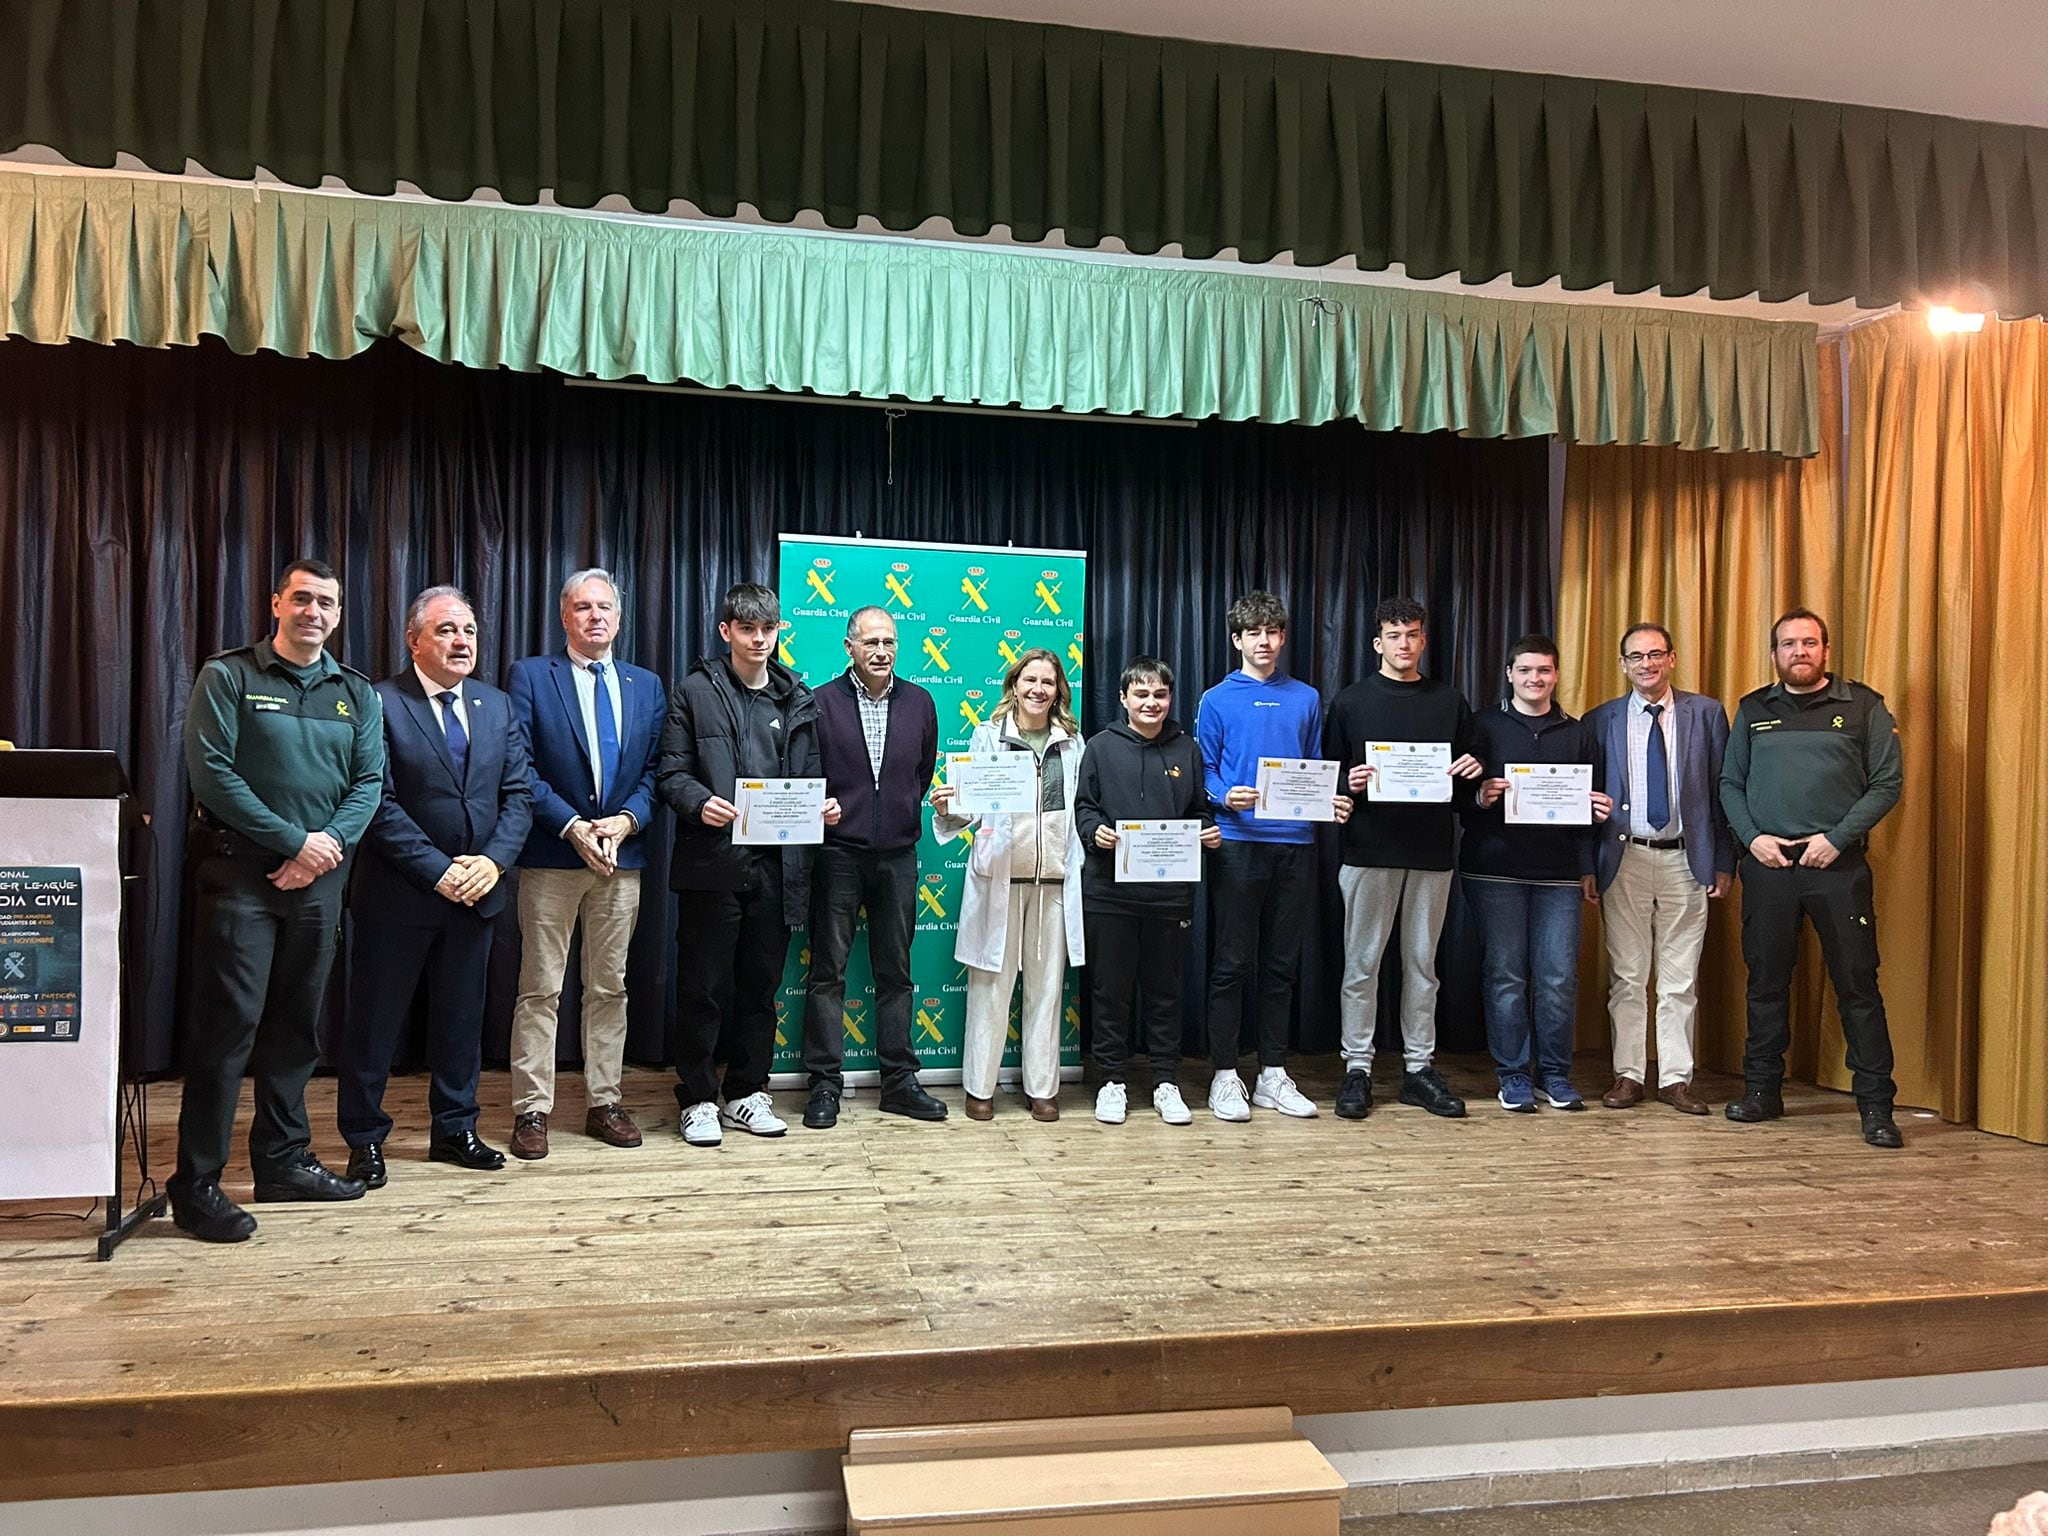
(1021, 911)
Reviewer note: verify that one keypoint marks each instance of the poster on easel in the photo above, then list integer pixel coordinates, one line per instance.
(60, 924)
(964, 613)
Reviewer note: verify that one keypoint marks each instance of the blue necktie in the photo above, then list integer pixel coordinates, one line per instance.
(1657, 768)
(607, 733)
(458, 738)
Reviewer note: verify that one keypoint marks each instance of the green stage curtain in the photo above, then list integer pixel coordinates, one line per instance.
(851, 110)
(162, 262)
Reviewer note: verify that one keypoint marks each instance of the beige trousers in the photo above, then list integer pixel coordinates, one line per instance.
(1655, 918)
(1035, 943)
(550, 902)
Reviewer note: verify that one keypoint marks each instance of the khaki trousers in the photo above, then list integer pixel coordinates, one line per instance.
(550, 903)
(1655, 918)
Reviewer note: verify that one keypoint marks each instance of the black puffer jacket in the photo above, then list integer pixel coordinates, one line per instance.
(1125, 777)
(715, 733)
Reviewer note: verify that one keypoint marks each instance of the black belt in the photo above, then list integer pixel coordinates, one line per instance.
(1663, 845)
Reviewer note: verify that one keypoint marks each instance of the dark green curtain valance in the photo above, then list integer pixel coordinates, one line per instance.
(163, 261)
(855, 109)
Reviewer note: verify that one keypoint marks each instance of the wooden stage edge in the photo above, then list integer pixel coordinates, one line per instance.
(606, 1306)
(265, 1436)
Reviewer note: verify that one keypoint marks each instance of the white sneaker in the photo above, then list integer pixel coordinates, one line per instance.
(1226, 1098)
(1110, 1100)
(755, 1114)
(1276, 1090)
(700, 1125)
(1173, 1109)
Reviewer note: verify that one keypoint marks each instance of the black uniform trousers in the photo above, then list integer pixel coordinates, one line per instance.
(1838, 901)
(728, 944)
(844, 880)
(259, 971)
(386, 962)
(1130, 952)
(1261, 896)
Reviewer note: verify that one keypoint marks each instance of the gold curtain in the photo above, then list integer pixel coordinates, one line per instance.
(1922, 533)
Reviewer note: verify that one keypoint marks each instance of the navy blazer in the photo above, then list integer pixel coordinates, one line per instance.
(544, 698)
(428, 815)
(1702, 736)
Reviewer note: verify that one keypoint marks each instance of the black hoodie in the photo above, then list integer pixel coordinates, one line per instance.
(1125, 777)
(716, 731)
(1492, 849)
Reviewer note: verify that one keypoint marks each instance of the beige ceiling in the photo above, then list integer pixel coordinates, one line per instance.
(1965, 58)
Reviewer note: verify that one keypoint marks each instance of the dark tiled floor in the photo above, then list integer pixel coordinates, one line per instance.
(1930, 1504)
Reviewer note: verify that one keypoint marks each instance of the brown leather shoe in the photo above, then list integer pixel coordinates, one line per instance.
(1626, 1093)
(610, 1124)
(980, 1109)
(530, 1135)
(1045, 1109)
(1681, 1098)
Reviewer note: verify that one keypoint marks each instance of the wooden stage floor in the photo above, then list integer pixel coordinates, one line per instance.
(611, 1305)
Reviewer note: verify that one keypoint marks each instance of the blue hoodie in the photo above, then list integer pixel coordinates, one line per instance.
(1243, 719)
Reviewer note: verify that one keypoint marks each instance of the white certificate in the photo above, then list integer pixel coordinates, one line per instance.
(990, 783)
(1415, 771)
(779, 811)
(1296, 789)
(1549, 794)
(1152, 852)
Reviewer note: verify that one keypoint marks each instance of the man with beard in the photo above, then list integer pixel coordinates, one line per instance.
(1812, 765)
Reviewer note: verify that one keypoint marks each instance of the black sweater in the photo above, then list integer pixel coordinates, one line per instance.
(1124, 777)
(1386, 834)
(1493, 849)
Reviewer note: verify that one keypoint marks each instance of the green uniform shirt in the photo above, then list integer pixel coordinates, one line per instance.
(276, 759)
(1801, 763)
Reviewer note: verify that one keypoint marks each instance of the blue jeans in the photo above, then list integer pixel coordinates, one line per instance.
(1530, 935)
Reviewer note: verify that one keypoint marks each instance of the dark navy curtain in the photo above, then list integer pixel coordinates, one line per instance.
(148, 498)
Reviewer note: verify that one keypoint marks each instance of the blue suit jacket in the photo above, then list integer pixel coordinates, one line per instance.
(428, 816)
(1702, 738)
(544, 698)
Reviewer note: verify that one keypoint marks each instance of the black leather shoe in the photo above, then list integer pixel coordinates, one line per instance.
(1879, 1129)
(210, 1215)
(465, 1150)
(821, 1109)
(1754, 1106)
(1354, 1099)
(910, 1099)
(367, 1163)
(1428, 1091)
(307, 1180)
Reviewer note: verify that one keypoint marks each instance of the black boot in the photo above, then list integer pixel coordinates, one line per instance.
(1879, 1129)
(1756, 1105)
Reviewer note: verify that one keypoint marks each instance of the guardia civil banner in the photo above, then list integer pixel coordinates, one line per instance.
(963, 613)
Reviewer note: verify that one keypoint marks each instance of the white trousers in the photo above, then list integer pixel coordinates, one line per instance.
(1375, 901)
(1655, 918)
(1034, 945)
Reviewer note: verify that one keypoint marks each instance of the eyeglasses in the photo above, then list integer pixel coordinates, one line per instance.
(1641, 658)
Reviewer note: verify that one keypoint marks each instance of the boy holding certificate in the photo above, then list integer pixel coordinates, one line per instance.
(1528, 862)
(1140, 806)
(1263, 893)
(1406, 744)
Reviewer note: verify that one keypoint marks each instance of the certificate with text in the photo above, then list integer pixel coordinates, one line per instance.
(1549, 794)
(1296, 789)
(773, 811)
(1158, 852)
(1415, 772)
(992, 783)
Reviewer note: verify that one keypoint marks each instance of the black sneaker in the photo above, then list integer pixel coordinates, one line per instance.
(821, 1109)
(1879, 1129)
(307, 1180)
(1426, 1090)
(1354, 1099)
(1756, 1105)
(209, 1215)
(910, 1099)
